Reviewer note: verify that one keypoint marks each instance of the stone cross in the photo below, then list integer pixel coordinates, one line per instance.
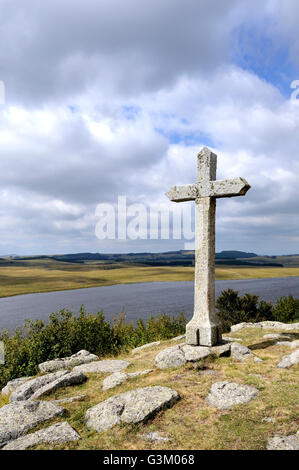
(203, 329)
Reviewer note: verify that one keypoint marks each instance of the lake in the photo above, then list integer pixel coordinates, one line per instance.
(138, 300)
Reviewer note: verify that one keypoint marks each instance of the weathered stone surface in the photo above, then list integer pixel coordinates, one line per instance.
(178, 338)
(69, 400)
(131, 407)
(179, 355)
(221, 350)
(172, 357)
(72, 378)
(13, 384)
(36, 388)
(102, 367)
(27, 389)
(226, 394)
(240, 352)
(194, 353)
(139, 373)
(271, 325)
(114, 380)
(81, 357)
(55, 434)
(277, 336)
(289, 360)
(20, 417)
(290, 344)
(284, 442)
(154, 437)
(145, 346)
(257, 359)
(230, 339)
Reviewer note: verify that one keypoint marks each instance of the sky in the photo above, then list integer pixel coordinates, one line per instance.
(117, 97)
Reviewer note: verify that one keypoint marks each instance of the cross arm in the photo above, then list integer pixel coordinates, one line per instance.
(224, 188)
(186, 192)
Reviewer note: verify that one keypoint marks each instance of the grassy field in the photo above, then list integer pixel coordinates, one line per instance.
(191, 423)
(50, 275)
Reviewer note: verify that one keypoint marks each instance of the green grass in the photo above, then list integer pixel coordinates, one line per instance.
(191, 422)
(46, 275)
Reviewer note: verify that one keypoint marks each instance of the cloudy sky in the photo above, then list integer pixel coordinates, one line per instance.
(116, 97)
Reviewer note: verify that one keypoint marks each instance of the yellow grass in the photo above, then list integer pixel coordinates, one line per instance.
(52, 276)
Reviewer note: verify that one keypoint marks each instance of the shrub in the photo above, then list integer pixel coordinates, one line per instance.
(286, 309)
(66, 333)
(234, 309)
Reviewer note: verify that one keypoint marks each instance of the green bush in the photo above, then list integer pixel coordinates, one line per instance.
(232, 309)
(66, 334)
(286, 309)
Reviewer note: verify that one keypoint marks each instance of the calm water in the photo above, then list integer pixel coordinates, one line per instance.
(139, 300)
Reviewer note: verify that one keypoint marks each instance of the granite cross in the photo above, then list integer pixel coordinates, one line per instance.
(203, 329)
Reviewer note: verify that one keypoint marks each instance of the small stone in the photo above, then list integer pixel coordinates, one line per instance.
(170, 358)
(139, 373)
(290, 344)
(226, 394)
(55, 434)
(240, 352)
(257, 359)
(208, 372)
(81, 357)
(131, 407)
(102, 367)
(268, 419)
(289, 360)
(154, 437)
(18, 418)
(277, 336)
(283, 442)
(230, 339)
(13, 384)
(145, 346)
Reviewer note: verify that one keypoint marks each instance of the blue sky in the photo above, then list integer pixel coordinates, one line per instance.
(116, 98)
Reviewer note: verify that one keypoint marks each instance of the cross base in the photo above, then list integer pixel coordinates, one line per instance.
(197, 335)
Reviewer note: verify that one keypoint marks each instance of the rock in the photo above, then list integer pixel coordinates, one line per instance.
(284, 442)
(230, 339)
(113, 380)
(257, 359)
(240, 352)
(119, 377)
(194, 353)
(178, 338)
(69, 400)
(139, 373)
(20, 417)
(172, 357)
(154, 437)
(81, 357)
(36, 388)
(221, 350)
(289, 360)
(130, 407)
(268, 419)
(176, 356)
(290, 344)
(208, 372)
(13, 384)
(102, 367)
(277, 336)
(226, 394)
(145, 346)
(274, 325)
(55, 434)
